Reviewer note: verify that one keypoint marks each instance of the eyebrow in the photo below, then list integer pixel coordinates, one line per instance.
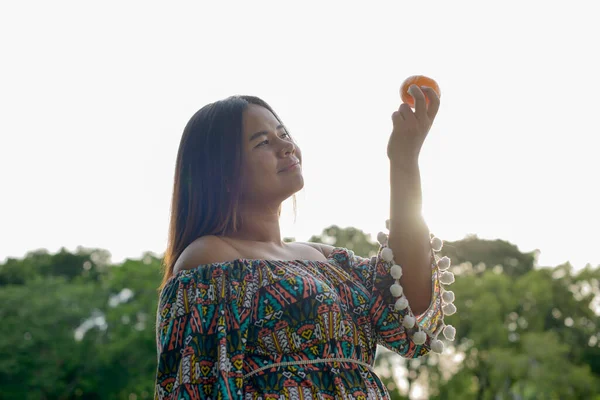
(261, 133)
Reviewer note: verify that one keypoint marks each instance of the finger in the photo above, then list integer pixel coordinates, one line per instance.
(420, 102)
(397, 118)
(434, 102)
(407, 113)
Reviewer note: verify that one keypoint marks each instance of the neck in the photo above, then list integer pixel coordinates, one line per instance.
(259, 226)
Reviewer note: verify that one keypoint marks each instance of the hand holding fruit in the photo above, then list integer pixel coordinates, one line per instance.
(410, 128)
(419, 80)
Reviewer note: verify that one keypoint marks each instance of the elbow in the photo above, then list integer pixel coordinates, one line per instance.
(421, 302)
(424, 294)
(419, 290)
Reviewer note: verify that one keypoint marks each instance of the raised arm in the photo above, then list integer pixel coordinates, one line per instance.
(408, 284)
(409, 237)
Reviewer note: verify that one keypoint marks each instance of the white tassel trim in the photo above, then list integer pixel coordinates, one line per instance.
(387, 254)
(420, 338)
(396, 271)
(409, 321)
(436, 244)
(446, 278)
(444, 263)
(437, 346)
(382, 238)
(448, 297)
(396, 290)
(449, 309)
(401, 303)
(449, 332)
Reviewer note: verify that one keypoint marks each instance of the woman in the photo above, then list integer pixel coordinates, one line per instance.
(244, 315)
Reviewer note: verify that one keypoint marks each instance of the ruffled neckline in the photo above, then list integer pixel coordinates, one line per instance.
(253, 261)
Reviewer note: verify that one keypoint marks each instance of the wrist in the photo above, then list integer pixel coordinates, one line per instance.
(404, 165)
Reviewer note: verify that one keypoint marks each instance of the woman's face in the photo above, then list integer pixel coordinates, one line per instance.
(268, 150)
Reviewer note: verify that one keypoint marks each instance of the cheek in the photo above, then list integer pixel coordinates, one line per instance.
(257, 167)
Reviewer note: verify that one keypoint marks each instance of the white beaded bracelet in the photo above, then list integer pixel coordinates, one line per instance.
(445, 277)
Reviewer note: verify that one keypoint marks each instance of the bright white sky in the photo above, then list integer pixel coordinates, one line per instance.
(95, 96)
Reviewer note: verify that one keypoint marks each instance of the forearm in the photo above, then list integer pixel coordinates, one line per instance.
(409, 235)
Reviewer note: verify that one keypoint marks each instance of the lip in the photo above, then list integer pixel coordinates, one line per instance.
(290, 167)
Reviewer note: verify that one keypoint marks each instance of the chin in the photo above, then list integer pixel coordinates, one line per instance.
(300, 183)
(296, 186)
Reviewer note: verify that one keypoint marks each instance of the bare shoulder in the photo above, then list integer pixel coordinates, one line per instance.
(207, 249)
(325, 249)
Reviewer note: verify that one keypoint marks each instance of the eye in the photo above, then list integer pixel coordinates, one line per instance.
(266, 141)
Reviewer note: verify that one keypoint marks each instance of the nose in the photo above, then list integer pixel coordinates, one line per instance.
(289, 147)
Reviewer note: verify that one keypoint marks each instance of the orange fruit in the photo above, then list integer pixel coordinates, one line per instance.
(419, 80)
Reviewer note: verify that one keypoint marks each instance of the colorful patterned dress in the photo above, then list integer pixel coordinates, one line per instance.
(269, 329)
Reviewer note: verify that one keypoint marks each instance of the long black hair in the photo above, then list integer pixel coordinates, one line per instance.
(208, 164)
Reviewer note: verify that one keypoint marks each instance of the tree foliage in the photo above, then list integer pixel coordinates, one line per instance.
(75, 326)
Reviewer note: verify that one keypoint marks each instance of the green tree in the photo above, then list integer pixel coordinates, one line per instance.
(40, 357)
(490, 253)
(129, 343)
(75, 326)
(523, 335)
(86, 263)
(351, 238)
(86, 335)
(509, 312)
